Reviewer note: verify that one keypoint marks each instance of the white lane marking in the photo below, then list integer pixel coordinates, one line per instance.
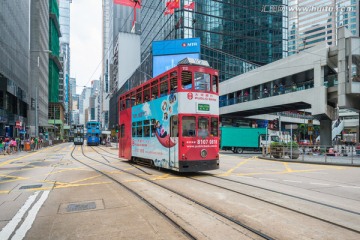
(270, 179)
(292, 181)
(26, 225)
(10, 227)
(322, 184)
(348, 186)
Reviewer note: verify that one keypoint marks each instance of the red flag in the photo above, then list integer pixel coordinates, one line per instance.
(172, 4)
(129, 3)
(169, 11)
(190, 6)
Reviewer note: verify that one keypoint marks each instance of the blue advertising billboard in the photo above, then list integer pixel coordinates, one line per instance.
(178, 46)
(166, 54)
(163, 63)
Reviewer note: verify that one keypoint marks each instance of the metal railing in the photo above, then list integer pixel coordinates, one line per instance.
(337, 154)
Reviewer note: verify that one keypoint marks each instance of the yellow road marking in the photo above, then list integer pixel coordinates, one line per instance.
(272, 173)
(85, 179)
(69, 169)
(4, 192)
(227, 173)
(287, 167)
(16, 159)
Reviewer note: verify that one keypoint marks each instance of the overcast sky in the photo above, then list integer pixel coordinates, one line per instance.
(85, 41)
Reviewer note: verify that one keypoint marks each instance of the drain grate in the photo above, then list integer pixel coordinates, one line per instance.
(31, 186)
(77, 207)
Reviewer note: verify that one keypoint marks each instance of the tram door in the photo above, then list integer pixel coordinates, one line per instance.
(122, 141)
(174, 135)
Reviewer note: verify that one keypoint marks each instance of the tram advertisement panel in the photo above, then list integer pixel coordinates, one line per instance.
(198, 103)
(151, 136)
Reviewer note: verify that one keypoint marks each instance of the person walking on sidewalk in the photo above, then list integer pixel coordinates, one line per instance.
(1, 146)
(36, 141)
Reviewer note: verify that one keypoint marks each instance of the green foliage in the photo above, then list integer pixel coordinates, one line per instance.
(277, 144)
(294, 145)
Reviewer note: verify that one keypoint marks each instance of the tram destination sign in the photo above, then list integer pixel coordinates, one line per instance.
(201, 107)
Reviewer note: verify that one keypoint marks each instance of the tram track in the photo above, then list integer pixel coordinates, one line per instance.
(186, 233)
(133, 165)
(204, 206)
(285, 194)
(286, 208)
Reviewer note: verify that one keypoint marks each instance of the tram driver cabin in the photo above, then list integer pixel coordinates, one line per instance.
(172, 120)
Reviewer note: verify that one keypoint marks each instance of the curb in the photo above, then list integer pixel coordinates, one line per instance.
(307, 162)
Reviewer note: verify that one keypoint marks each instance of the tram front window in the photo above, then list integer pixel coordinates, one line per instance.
(202, 81)
(203, 127)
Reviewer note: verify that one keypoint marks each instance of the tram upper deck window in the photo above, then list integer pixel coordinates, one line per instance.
(215, 84)
(186, 80)
(202, 81)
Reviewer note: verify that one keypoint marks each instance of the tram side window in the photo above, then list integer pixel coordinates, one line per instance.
(147, 93)
(153, 127)
(174, 126)
(203, 127)
(188, 126)
(202, 81)
(134, 129)
(154, 89)
(139, 132)
(146, 128)
(186, 80)
(214, 127)
(215, 87)
(173, 82)
(164, 88)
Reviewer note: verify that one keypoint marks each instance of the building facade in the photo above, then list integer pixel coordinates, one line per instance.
(56, 107)
(313, 22)
(236, 36)
(64, 19)
(15, 93)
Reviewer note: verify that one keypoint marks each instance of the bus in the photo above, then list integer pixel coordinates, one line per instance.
(172, 121)
(93, 133)
(78, 132)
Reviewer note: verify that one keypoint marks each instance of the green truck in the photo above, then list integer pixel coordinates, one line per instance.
(238, 139)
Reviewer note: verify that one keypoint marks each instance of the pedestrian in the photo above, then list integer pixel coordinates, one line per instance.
(22, 142)
(7, 146)
(18, 144)
(1, 146)
(36, 141)
(281, 88)
(32, 146)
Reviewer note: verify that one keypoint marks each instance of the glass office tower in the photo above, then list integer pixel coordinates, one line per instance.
(236, 36)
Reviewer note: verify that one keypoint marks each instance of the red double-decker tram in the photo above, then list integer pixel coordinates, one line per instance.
(172, 120)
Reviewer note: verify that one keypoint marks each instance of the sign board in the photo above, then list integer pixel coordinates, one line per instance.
(202, 107)
(310, 122)
(291, 126)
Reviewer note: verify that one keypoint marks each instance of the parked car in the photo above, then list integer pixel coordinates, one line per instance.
(304, 142)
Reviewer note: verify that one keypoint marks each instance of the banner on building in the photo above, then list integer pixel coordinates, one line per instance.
(129, 3)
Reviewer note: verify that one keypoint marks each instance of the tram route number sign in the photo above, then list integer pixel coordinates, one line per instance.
(201, 107)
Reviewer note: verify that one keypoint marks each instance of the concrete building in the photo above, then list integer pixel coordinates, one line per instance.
(104, 79)
(39, 67)
(313, 22)
(233, 37)
(64, 19)
(15, 93)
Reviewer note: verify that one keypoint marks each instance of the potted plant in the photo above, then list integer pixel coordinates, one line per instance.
(292, 150)
(277, 149)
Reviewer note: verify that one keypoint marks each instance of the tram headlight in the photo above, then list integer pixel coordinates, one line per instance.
(203, 153)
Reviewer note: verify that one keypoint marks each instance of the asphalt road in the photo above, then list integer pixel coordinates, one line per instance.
(48, 195)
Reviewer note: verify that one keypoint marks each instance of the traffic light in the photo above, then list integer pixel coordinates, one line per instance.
(117, 128)
(276, 124)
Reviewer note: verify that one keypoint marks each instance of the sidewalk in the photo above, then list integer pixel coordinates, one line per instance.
(352, 160)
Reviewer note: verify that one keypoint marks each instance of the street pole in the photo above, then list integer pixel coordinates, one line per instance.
(37, 98)
(54, 121)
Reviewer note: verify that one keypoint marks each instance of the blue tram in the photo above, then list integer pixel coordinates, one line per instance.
(78, 131)
(93, 133)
